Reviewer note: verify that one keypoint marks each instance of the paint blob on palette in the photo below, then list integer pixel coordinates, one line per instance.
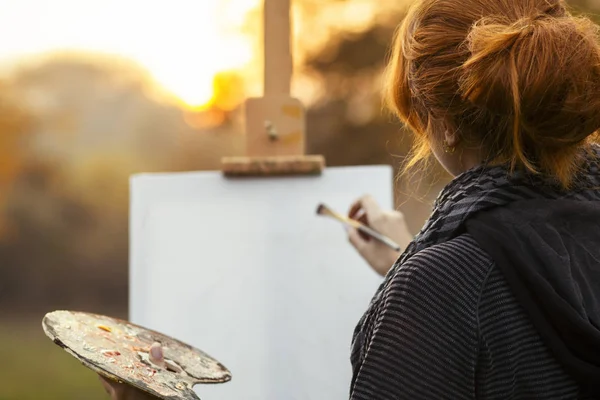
(119, 350)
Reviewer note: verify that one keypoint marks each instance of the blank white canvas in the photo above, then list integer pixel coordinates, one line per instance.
(246, 271)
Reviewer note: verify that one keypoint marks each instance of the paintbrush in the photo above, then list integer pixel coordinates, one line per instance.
(325, 211)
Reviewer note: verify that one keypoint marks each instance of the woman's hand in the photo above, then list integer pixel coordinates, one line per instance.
(123, 391)
(389, 223)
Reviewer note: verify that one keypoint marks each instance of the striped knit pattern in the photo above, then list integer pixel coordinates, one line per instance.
(450, 328)
(477, 190)
(414, 299)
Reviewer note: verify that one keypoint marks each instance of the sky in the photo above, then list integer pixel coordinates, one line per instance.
(183, 43)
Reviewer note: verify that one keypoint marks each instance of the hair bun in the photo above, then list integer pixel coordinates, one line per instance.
(542, 71)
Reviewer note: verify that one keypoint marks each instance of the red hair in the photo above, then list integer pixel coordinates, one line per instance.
(519, 79)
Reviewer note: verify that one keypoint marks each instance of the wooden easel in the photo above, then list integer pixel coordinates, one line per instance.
(275, 123)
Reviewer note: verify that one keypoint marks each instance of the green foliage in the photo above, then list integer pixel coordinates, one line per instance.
(34, 368)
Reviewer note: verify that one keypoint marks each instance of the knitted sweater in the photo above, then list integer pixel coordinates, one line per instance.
(451, 328)
(497, 297)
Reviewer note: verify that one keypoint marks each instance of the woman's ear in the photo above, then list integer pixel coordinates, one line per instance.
(451, 137)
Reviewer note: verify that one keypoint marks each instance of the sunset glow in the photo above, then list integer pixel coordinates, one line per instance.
(183, 43)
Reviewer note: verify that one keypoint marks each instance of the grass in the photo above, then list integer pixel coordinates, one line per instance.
(33, 368)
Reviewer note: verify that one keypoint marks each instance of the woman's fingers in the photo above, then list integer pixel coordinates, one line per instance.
(365, 207)
(355, 209)
(108, 386)
(122, 391)
(356, 240)
(366, 211)
(118, 391)
(378, 256)
(389, 223)
(370, 205)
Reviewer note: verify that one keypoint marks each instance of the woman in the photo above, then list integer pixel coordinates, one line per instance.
(496, 297)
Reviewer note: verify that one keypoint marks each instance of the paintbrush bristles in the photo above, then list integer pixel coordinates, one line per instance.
(323, 210)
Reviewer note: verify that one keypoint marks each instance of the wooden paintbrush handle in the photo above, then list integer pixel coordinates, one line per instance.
(378, 236)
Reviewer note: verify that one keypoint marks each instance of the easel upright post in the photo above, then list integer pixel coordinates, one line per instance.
(275, 123)
(278, 64)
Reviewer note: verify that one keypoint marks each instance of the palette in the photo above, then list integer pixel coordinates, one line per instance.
(119, 350)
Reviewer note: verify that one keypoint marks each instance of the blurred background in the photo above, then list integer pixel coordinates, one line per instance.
(92, 91)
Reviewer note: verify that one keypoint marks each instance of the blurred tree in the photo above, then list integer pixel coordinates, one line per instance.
(347, 121)
(15, 123)
(98, 119)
